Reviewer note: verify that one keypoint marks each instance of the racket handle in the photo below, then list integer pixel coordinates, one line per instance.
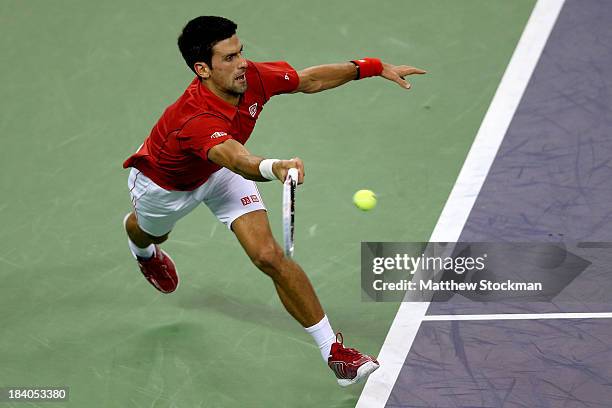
(293, 173)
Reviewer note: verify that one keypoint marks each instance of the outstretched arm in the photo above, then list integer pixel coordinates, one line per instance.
(322, 77)
(234, 156)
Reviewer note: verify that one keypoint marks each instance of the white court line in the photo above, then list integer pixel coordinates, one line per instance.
(461, 200)
(520, 316)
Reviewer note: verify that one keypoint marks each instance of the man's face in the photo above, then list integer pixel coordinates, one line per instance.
(229, 66)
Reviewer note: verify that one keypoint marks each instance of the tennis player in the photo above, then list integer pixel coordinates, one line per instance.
(195, 154)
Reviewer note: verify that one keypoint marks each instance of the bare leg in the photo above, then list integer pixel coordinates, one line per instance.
(292, 285)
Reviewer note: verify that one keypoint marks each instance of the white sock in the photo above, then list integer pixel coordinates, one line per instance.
(323, 335)
(144, 253)
(137, 251)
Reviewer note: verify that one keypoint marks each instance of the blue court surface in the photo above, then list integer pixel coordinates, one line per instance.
(550, 181)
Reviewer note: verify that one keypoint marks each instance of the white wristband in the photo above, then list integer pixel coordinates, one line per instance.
(265, 168)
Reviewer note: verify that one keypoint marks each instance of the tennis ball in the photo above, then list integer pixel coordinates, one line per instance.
(364, 199)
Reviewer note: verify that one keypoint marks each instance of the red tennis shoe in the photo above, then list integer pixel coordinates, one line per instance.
(349, 365)
(160, 271)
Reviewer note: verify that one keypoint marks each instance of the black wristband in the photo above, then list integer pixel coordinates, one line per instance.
(358, 73)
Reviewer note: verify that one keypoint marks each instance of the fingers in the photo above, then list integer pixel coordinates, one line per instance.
(397, 74)
(403, 83)
(404, 70)
(299, 164)
(285, 165)
(414, 70)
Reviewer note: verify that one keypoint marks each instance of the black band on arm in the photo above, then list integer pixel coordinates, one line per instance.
(356, 66)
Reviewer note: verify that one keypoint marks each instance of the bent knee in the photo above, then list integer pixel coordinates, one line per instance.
(268, 258)
(158, 240)
(134, 230)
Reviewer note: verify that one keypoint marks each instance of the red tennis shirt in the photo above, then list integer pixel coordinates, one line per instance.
(175, 155)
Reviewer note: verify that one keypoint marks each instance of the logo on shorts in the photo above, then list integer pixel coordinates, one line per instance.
(253, 109)
(218, 134)
(249, 199)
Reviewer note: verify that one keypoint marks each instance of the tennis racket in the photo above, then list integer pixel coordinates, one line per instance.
(289, 210)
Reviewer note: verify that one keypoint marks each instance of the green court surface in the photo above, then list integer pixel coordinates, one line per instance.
(82, 84)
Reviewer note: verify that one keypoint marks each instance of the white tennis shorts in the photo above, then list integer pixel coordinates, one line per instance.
(227, 194)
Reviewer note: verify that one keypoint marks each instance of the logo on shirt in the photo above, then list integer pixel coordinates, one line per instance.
(286, 77)
(253, 109)
(218, 134)
(249, 200)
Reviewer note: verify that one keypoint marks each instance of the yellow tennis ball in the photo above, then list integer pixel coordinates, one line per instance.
(364, 199)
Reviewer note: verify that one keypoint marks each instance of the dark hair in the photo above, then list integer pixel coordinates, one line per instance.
(200, 35)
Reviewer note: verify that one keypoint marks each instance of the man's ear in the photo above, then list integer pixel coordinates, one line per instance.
(202, 70)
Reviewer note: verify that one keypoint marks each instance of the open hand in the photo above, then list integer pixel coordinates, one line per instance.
(396, 73)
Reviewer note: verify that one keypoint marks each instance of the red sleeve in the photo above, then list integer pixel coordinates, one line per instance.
(277, 77)
(203, 132)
